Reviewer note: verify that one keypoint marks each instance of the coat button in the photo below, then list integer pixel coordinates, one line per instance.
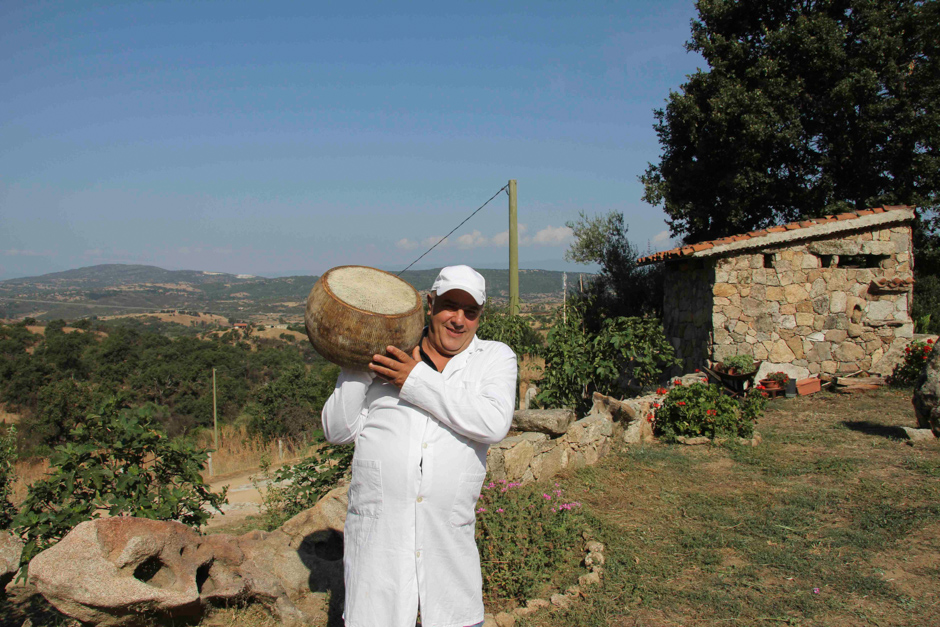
(425, 445)
(420, 499)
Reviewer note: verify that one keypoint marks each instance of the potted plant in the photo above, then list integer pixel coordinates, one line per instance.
(737, 365)
(735, 373)
(775, 381)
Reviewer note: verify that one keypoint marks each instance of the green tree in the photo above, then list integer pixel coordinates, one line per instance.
(7, 459)
(621, 288)
(117, 461)
(60, 406)
(808, 107)
(290, 405)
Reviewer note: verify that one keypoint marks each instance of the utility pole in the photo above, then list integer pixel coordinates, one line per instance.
(564, 292)
(513, 251)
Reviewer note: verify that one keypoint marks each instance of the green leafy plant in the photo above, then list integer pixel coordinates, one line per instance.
(624, 352)
(7, 458)
(524, 533)
(704, 410)
(117, 461)
(513, 330)
(292, 489)
(906, 373)
(738, 364)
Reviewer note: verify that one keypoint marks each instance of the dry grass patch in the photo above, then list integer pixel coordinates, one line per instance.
(240, 451)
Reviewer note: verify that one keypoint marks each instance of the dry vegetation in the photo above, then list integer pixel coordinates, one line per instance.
(240, 451)
(177, 318)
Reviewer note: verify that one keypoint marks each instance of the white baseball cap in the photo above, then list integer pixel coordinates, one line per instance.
(461, 278)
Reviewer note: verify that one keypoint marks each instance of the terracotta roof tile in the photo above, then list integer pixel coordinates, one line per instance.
(690, 250)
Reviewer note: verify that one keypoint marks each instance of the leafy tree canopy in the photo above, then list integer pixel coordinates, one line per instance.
(622, 288)
(809, 107)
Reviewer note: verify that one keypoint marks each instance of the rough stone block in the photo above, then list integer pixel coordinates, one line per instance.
(724, 289)
(837, 301)
(781, 353)
(881, 310)
(549, 421)
(836, 335)
(795, 293)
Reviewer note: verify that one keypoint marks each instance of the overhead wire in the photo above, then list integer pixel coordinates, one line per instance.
(502, 189)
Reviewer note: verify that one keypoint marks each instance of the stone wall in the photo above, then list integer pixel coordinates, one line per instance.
(797, 307)
(536, 456)
(687, 311)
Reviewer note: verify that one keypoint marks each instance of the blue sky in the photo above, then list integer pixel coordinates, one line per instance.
(289, 137)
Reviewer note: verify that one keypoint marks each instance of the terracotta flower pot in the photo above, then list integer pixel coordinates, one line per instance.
(771, 385)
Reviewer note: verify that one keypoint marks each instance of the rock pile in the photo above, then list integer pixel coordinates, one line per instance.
(119, 571)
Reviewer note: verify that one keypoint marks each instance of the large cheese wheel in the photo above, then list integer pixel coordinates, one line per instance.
(355, 312)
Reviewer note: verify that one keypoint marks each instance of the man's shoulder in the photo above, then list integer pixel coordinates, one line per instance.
(494, 348)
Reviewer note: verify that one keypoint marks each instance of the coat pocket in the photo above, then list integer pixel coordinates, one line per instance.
(365, 488)
(465, 500)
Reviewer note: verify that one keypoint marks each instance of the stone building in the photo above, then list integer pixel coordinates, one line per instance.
(828, 295)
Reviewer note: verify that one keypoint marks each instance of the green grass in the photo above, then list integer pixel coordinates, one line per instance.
(826, 523)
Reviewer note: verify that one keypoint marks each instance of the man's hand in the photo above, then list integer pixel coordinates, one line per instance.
(395, 367)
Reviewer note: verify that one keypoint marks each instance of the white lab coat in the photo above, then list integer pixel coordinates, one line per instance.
(417, 471)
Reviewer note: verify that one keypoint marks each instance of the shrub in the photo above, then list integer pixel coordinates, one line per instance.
(117, 461)
(512, 330)
(778, 377)
(906, 373)
(292, 489)
(523, 532)
(704, 410)
(624, 352)
(7, 459)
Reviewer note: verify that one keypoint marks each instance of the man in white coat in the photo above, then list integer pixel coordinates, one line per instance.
(422, 424)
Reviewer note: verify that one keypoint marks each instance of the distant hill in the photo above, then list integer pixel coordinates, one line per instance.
(116, 288)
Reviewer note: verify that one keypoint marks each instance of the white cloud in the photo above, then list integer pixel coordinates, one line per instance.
(474, 239)
(16, 252)
(427, 242)
(502, 239)
(553, 236)
(406, 244)
(661, 237)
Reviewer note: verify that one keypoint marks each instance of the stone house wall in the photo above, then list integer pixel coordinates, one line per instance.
(826, 305)
(687, 311)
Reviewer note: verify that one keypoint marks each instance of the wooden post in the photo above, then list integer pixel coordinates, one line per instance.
(513, 251)
(564, 296)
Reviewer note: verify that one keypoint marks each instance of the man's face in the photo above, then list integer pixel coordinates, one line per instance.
(455, 317)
